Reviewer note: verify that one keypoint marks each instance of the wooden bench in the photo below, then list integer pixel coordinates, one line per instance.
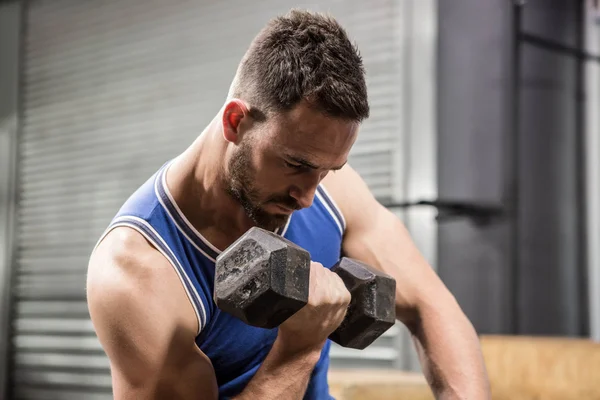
(520, 368)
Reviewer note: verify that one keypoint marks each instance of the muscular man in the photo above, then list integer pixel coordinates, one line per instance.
(275, 156)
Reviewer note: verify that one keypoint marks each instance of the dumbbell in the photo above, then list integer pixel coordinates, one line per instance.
(263, 279)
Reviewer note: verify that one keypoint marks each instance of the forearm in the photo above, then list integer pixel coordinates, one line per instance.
(450, 353)
(281, 375)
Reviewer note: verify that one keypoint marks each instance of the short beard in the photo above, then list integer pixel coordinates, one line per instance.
(240, 186)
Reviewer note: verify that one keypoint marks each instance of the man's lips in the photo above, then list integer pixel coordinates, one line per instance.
(283, 209)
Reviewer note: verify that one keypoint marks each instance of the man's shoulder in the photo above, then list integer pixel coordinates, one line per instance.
(123, 245)
(354, 198)
(347, 188)
(125, 271)
(124, 256)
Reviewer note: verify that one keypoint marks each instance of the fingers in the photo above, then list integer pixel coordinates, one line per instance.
(328, 286)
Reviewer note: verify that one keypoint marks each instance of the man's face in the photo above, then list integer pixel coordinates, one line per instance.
(277, 166)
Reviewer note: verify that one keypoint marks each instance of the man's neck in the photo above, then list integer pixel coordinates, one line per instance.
(195, 180)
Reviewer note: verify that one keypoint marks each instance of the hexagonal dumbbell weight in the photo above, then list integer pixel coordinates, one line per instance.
(263, 279)
(372, 309)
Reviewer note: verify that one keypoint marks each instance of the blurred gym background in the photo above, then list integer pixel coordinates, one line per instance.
(484, 138)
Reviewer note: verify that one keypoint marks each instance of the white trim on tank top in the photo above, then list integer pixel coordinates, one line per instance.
(331, 213)
(163, 180)
(334, 204)
(131, 222)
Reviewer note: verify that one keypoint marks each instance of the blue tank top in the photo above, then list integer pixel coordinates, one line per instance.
(235, 349)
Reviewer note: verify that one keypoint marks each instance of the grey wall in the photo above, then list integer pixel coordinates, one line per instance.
(518, 142)
(551, 259)
(474, 117)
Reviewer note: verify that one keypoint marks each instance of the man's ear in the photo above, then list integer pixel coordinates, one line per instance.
(234, 112)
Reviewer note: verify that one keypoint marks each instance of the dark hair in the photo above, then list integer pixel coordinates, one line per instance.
(303, 56)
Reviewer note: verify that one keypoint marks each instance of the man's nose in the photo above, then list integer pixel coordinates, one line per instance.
(304, 191)
(304, 197)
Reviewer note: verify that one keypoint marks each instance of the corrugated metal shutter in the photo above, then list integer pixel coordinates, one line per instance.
(112, 89)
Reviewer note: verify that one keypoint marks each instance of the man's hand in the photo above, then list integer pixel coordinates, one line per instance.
(446, 341)
(286, 370)
(328, 301)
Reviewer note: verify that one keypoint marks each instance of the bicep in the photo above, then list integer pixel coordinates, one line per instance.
(379, 238)
(149, 341)
(384, 243)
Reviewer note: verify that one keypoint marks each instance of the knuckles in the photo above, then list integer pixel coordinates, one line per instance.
(328, 289)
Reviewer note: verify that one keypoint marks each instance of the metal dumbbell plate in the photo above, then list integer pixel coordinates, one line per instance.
(262, 278)
(372, 309)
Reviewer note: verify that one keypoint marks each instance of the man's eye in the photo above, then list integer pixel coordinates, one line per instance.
(290, 165)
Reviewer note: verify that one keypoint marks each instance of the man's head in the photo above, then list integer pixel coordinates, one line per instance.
(292, 115)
